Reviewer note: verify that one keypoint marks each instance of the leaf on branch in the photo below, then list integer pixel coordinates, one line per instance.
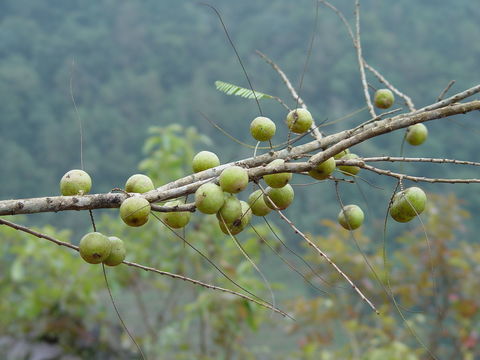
(231, 89)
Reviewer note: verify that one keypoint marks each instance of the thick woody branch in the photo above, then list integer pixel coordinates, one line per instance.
(331, 144)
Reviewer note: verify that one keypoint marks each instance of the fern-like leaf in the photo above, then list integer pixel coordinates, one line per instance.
(231, 89)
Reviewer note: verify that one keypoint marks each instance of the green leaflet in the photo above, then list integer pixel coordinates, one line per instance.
(231, 89)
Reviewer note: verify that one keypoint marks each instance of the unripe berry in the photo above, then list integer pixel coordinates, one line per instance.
(281, 197)
(231, 209)
(176, 219)
(416, 134)
(262, 128)
(351, 217)
(341, 154)
(299, 120)
(239, 223)
(383, 98)
(347, 169)
(323, 170)
(139, 183)
(209, 198)
(407, 204)
(233, 179)
(75, 182)
(117, 253)
(135, 210)
(94, 247)
(257, 203)
(277, 180)
(204, 160)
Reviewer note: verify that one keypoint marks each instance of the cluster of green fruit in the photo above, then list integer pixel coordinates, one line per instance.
(233, 214)
(416, 134)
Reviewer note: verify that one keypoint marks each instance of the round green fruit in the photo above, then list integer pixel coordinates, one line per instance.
(279, 198)
(134, 211)
(75, 182)
(239, 223)
(347, 169)
(351, 217)
(341, 154)
(407, 204)
(262, 128)
(204, 160)
(416, 134)
(383, 98)
(277, 180)
(139, 183)
(117, 253)
(94, 247)
(231, 209)
(233, 179)
(209, 198)
(176, 219)
(257, 203)
(323, 170)
(299, 120)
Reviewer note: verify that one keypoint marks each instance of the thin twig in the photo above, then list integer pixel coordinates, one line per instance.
(146, 268)
(444, 91)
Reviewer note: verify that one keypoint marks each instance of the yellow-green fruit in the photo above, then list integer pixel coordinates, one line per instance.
(277, 180)
(262, 128)
(139, 183)
(323, 170)
(341, 154)
(176, 219)
(94, 247)
(134, 211)
(239, 223)
(209, 198)
(281, 197)
(347, 169)
(351, 217)
(117, 253)
(75, 182)
(233, 179)
(407, 204)
(299, 120)
(231, 209)
(383, 98)
(416, 134)
(257, 203)
(204, 160)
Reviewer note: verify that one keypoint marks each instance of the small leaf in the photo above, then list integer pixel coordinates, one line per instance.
(231, 89)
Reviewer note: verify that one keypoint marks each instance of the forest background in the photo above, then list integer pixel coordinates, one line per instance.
(136, 68)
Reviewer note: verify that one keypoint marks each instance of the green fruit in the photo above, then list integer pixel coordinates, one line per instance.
(262, 128)
(277, 180)
(351, 217)
(341, 154)
(239, 223)
(231, 209)
(209, 198)
(416, 134)
(118, 252)
(204, 160)
(257, 203)
(139, 183)
(281, 197)
(75, 182)
(407, 204)
(94, 247)
(346, 169)
(323, 170)
(299, 120)
(384, 98)
(233, 179)
(176, 219)
(134, 211)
